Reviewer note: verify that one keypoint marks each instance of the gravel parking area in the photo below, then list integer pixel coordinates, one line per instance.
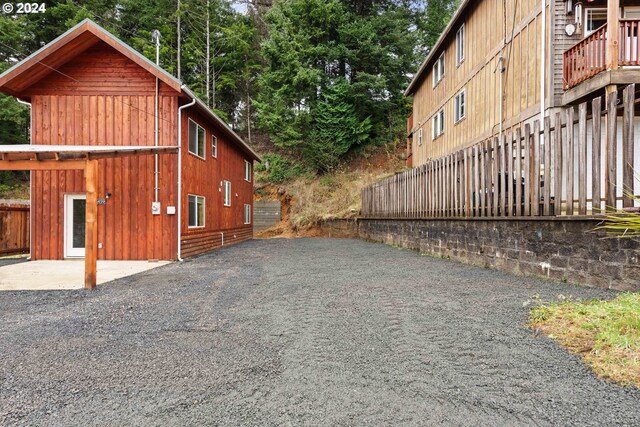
(298, 332)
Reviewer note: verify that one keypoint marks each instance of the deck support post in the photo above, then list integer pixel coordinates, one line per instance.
(91, 226)
(613, 34)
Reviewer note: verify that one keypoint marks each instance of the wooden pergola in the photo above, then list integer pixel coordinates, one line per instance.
(75, 157)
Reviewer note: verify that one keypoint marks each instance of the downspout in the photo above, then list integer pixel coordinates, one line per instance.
(156, 38)
(20, 101)
(191, 104)
(543, 46)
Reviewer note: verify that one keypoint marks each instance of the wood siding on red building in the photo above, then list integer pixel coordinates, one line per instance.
(79, 107)
(102, 97)
(205, 177)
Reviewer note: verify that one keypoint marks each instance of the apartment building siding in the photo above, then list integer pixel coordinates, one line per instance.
(491, 32)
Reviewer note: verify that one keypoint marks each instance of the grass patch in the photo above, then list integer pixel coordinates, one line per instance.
(606, 334)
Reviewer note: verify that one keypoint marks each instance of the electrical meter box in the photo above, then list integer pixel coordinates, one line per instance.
(155, 208)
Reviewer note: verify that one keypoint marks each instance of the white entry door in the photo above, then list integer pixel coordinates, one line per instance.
(74, 225)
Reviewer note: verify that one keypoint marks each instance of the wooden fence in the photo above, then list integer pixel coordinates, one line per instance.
(569, 167)
(14, 228)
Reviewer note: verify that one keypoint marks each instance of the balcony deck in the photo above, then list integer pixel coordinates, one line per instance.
(585, 68)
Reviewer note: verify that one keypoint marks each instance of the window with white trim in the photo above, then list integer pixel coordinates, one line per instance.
(247, 171)
(437, 124)
(459, 106)
(214, 146)
(438, 70)
(247, 214)
(227, 193)
(419, 136)
(594, 19)
(196, 139)
(196, 211)
(460, 45)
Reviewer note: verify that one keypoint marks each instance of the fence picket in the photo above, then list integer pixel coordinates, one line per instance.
(528, 140)
(502, 176)
(535, 172)
(557, 166)
(518, 171)
(496, 171)
(627, 146)
(569, 160)
(582, 159)
(509, 186)
(481, 192)
(612, 149)
(546, 189)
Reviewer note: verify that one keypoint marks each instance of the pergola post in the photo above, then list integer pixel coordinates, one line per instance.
(91, 227)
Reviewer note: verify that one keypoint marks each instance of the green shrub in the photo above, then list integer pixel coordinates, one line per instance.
(277, 169)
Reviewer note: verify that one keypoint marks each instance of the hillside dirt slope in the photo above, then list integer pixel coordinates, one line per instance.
(305, 201)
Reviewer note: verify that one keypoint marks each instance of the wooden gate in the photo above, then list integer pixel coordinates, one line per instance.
(14, 228)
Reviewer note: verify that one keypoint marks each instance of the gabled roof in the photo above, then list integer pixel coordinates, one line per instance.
(81, 37)
(422, 71)
(67, 46)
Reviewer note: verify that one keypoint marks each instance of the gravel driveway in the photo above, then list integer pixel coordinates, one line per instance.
(297, 332)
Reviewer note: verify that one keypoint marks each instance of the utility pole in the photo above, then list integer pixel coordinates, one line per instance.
(179, 52)
(208, 56)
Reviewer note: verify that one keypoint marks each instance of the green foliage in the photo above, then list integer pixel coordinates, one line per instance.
(436, 16)
(623, 223)
(335, 75)
(323, 78)
(234, 54)
(277, 169)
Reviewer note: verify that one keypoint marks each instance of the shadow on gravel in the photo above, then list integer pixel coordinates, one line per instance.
(298, 332)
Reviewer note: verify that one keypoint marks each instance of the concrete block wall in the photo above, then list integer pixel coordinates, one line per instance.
(265, 214)
(565, 249)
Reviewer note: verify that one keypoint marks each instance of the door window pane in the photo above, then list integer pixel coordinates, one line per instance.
(79, 222)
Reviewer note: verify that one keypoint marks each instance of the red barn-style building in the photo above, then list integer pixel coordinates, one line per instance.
(87, 88)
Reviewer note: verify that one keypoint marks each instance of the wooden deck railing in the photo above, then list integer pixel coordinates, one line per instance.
(588, 57)
(629, 43)
(556, 169)
(585, 59)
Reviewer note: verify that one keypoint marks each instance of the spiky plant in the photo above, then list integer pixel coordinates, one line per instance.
(623, 223)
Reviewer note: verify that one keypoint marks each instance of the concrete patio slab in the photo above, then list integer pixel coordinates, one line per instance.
(68, 274)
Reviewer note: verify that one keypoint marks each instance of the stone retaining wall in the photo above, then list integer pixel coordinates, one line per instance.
(565, 249)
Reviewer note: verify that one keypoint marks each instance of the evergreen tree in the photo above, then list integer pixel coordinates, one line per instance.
(365, 48)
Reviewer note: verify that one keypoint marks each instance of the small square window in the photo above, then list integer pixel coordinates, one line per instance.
(247, 214)
(196, 211)
(214, 146)
(196, 139)
(247, 171)
(227, 193)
